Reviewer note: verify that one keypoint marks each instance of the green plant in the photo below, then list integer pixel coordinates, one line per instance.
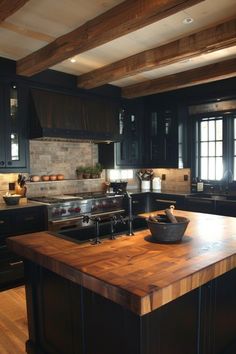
(87, 169)
(98, 168)
(79, 170)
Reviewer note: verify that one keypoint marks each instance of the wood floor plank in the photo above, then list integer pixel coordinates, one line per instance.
(13, 321)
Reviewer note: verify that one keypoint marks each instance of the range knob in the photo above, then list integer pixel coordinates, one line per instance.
(77, 210)
(71, 210)
(63, 211)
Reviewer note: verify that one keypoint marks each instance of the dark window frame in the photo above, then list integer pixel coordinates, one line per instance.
(228, 144)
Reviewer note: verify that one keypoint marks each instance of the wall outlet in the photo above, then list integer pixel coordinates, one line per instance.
(163, 177)
(185, 177)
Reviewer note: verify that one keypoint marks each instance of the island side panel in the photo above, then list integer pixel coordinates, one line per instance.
(173, 328)
(54, 312)
(66, 318)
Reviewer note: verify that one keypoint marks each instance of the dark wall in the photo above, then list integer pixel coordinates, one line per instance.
(56, 80)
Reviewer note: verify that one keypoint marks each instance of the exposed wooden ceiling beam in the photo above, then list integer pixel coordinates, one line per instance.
(213, 72)
(9, 7)
(208, 40)
(124, 18)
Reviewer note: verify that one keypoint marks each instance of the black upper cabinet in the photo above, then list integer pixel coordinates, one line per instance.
(161, 138)
(128, 151)
(13, 127)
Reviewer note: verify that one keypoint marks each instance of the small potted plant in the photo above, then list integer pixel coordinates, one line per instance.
(99, 169)
(87, 172)
(80, 172)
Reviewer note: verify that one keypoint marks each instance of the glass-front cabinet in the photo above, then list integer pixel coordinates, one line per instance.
(129, 148)
(13, 134)
(162, 137)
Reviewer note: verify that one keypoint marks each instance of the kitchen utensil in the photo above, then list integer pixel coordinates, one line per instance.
(164, 231)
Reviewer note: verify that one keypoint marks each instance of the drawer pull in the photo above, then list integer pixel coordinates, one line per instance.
(12, 264)
(166, 201)
(29, 218)
(2, 222)
(135, 201)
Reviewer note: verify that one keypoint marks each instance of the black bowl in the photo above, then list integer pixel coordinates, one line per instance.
(165, 231)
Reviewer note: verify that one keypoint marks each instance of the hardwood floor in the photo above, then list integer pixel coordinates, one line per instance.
(13, 321)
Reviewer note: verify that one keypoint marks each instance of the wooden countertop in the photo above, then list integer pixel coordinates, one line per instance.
(137, 274)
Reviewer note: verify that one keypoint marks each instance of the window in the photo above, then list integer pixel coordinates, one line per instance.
(120, 175)
(215, 147)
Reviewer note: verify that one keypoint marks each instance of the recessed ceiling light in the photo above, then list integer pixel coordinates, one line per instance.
(73, 60)
(188, 20)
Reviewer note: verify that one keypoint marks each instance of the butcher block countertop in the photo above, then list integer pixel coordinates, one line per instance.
(134, 272)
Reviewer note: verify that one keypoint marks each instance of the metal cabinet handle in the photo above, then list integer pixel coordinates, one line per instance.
(2, 222)
(13, 264)
(166, 201)
(135, 201)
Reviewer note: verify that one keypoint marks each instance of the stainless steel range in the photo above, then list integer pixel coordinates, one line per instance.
(68, 211)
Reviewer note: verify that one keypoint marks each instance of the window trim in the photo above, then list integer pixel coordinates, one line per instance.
(228, 144)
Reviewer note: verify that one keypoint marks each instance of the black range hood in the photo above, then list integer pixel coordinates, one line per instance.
(60, 116)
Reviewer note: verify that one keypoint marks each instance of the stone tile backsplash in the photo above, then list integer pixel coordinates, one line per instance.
(54, 157)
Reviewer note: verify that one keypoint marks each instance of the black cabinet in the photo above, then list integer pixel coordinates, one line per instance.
(13, 127)
(226, 208)
(162, 201)
(140, 203)
(15, 222)
(128, 151)
(200, 205)
(161, 138)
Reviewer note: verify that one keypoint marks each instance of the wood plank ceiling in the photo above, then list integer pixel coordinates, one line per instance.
(143, 46)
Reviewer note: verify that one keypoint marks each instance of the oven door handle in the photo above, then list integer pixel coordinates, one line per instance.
(60, 221)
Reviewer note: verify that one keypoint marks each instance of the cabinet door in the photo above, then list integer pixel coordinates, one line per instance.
(226, 208)
(129, 149)
(139, 203)
(162, 138)
(14, 149)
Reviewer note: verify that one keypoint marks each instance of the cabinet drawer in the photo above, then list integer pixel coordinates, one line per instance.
(5, 223)
(161, 201)
(31, 220)
(200, 205)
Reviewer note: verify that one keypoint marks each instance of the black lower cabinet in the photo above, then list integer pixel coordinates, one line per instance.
(17, 222)
(200, 205)
(162, 201)
(65, 318)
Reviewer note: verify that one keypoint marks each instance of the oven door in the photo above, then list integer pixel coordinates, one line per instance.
(67, 224)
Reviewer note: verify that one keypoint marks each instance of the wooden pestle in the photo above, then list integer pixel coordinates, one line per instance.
(170, 216)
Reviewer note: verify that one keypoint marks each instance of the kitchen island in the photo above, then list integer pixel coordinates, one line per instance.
(133, 296)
